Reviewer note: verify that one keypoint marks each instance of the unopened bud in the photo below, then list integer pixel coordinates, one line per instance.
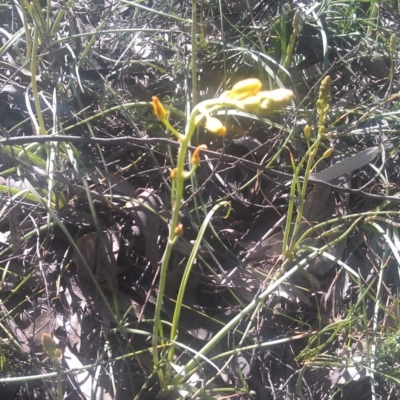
(297, 21)
(158, 109)
(215, 126)
(392, 45)
(307, 131)
(327, 153)
(246, 88)
(178, 230)
(174, 173)
(276, 99)
(196, 154)
(250, 104)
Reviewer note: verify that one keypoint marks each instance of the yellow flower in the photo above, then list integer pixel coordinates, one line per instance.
(196, 154)
(275, 99)
(250, 104)
(158, 109)
(215, 126)
(246, 88)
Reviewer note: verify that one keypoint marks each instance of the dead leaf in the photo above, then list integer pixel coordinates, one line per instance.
(18, 334)
(74, 331)
(148, 222)
(100, 255)
(44, 324)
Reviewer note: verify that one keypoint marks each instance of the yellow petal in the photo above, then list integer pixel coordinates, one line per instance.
(215, 126)
(246, 88)
(275, 99)
(307, 131)
(158, 109)
(196, 154)
(327, 153)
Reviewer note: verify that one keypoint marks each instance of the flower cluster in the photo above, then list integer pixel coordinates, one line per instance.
(245, 95)
(249, 97)
(323, 97)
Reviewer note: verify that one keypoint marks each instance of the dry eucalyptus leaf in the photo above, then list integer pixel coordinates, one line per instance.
(148, 222)
(74, 331)
(318, 206)
(347, 165)
(100, 255)
(18, 334)
(44, 324)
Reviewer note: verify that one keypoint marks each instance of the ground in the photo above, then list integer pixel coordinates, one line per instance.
(283, 260)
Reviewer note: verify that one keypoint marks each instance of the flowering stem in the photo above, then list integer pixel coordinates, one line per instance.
(176, 200)
(245, 95)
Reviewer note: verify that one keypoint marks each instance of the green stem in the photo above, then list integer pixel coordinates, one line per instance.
(185, 278)
(176, 200)
(194, 53)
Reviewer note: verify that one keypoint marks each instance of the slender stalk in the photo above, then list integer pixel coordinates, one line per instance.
(194, 53)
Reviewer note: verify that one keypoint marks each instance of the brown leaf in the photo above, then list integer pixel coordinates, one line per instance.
(44, 324)
(100, 255)
(148, 222)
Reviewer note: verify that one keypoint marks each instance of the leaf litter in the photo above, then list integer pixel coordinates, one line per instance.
(120, 231)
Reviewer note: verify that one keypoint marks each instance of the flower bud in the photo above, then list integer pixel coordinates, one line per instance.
(297, 21)
(392, 44)
(196, 154)
(215, 126)
(275, 99)
(307, 131)
(325, 85)
(246, 88)
(158, 109)
(250, 104)
(174, 173)
(327, 153)
(179, 230)
(323, 97)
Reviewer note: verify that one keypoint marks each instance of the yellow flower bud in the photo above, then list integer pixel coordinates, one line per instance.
(174, 173)
(323, 97)
(307, 131)
(158, 109)
(275, 99)
(179, 230)
(327, 153)
(196, 154)
(250, 104)
(215, 126)
(392, 44)
(321, 130)
(325, 85)
(246, 88)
